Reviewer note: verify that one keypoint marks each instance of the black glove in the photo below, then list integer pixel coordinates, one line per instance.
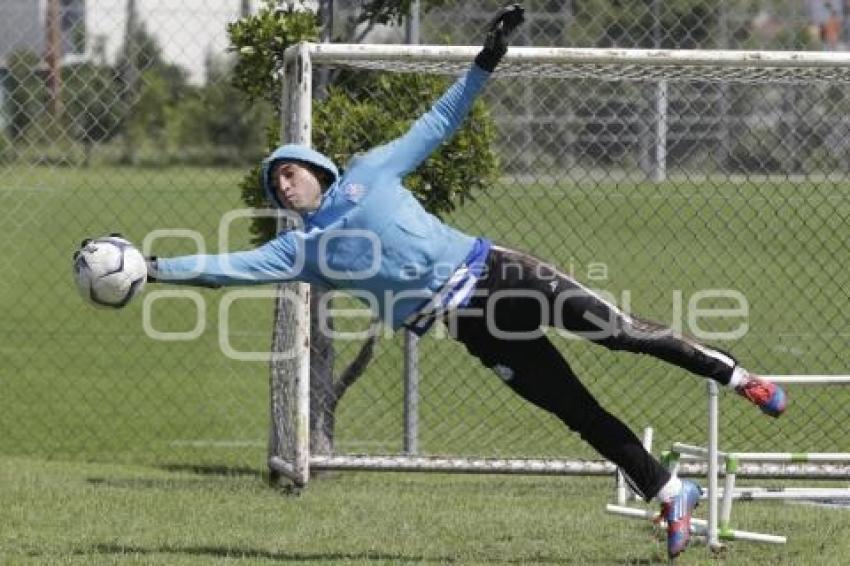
(150, 261)
(85, 242)
(499, 30)
(82, 245)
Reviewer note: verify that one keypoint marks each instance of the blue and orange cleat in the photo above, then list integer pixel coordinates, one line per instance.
(767, 396)
(677, 513)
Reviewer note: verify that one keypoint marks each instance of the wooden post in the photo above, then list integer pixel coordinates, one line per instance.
(53, 56)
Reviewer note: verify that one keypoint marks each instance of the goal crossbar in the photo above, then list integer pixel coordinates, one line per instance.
(598, 63)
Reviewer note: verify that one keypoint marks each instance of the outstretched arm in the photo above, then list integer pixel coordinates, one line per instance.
(406, 153)
(272, 262)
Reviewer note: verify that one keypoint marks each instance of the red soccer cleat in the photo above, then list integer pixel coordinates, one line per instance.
(677, 513)
(767, 396)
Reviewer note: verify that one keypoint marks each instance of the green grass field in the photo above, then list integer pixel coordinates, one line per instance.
(117, 446)
(78, 513)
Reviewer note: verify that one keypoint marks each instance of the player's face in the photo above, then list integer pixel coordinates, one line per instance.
(297, 187)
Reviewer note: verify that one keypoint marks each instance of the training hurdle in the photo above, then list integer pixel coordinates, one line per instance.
(717, 527)
(731, 462)
(714, 440)
(699, 527)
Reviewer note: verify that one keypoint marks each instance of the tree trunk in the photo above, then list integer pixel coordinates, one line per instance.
(323, 395)
(282, 392)
(88, 149)
(53, 56)
(130, 76)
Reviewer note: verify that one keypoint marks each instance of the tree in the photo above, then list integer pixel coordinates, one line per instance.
(351, 119)
(163, 86)
(27, 93)
(128, 71)
(217, 122)
(151, 88)
(393, 11)
(682, 24)
(90, 95)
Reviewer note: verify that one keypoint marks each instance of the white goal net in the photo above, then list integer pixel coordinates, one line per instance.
(709, 190)
(605, 64)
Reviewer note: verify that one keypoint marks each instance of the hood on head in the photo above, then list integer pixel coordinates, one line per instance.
(293, 152)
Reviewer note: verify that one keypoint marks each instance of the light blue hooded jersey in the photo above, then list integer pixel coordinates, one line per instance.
(369, 236)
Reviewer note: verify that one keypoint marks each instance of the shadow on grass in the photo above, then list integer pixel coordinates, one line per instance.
(210, 470)
(165, 484)
(253, 553)
(178, 482)
(217, 552)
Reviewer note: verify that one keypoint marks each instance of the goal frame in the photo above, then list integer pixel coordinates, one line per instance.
(296, 127)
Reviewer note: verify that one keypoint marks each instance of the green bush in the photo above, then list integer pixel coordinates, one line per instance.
(259, 41)
(382, 107)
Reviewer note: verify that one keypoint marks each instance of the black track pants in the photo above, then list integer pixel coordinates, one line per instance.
(517, 295)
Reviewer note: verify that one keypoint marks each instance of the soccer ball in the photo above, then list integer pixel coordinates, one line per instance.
(109, 271)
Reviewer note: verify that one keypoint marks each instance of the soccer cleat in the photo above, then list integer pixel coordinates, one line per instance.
(767, 396)
(677, 513)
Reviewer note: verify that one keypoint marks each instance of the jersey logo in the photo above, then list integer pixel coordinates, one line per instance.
(503, 372)
(353, 191)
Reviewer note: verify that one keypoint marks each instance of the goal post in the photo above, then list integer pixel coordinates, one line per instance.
(591, 160)
(288, 446)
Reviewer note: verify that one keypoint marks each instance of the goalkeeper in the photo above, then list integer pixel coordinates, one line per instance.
(364, 232)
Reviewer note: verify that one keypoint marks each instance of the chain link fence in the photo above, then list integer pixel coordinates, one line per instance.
(653, 193)
(139, 132)
(738, 246)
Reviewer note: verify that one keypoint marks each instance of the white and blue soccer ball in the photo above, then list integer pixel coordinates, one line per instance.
(109, 271)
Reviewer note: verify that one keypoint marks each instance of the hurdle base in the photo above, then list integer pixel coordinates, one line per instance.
(698, 526)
